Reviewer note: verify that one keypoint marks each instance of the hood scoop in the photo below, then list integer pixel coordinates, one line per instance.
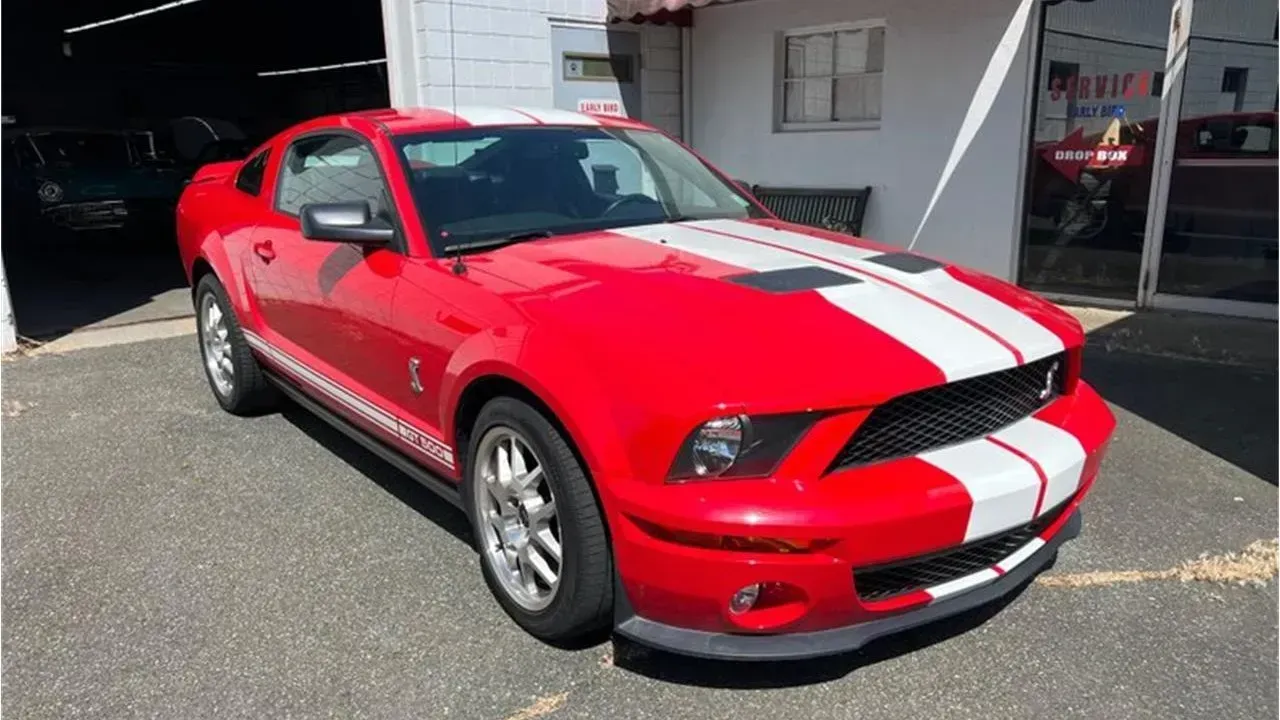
(796, 279)
(905, 262)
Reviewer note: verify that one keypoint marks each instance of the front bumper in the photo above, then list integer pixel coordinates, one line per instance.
(93, 215)
(801, 645)
(1019, 488)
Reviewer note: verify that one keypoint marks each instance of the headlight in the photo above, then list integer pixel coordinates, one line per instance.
(717, 444)
(49, 191)
(739, 446)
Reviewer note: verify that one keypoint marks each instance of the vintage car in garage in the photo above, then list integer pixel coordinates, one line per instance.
(661, 408)
(81, 180)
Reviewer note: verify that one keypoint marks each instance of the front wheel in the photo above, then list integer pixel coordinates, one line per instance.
(543, 547)
(234, 375)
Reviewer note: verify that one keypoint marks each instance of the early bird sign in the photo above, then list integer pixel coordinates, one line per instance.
(602, 107)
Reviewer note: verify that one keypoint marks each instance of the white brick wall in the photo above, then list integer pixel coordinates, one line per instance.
(499, 52)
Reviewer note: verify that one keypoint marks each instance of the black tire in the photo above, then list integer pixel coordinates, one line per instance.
(583, 603)
(250, 392)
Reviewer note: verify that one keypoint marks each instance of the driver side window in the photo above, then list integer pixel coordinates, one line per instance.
(330, 169)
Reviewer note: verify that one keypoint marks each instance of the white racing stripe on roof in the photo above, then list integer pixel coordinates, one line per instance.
(958, 349)
(551, 116)
(480, 116)
(1059, 454)
(1002, 486)
(1030, 338)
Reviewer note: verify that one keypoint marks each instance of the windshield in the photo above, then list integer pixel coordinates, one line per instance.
(479, 184)
(83, 149)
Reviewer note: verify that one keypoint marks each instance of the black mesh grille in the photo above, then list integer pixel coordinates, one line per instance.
(886, 581)
(952, 413)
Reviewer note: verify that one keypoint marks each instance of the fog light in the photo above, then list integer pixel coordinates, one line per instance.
(744, 599)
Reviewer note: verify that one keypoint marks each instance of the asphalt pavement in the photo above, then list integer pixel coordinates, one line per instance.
(164, 559)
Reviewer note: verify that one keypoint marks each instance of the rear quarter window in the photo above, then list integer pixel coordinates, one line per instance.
(249, 181)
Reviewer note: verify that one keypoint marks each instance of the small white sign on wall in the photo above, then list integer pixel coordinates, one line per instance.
(602, 107)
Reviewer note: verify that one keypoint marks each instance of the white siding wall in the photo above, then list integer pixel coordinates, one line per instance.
(498, 52)
(935, 53)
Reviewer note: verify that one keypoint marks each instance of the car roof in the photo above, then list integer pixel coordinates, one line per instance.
(401, 121)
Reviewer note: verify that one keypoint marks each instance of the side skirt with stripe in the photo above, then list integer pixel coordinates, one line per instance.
(431, 448)
(399, 460)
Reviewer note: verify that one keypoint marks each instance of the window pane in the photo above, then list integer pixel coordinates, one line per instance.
(851, 51)
(329, 169)
(810, 55)
(875, 50)
(250, 178)
(807, 101)
(858, 97)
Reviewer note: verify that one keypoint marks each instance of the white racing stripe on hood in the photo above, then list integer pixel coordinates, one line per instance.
(794, 240)
(1030, 338)
(957, 348)
(723, 250)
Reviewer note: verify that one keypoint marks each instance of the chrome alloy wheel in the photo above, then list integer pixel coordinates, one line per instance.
(216, 344)
(516, 514)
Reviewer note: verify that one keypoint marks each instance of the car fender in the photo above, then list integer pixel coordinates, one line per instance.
(213, 252)
(571, 390)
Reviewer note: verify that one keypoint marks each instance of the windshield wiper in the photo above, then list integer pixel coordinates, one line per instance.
(495, 242)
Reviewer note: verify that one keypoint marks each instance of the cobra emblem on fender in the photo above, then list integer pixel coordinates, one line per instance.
(415, 383)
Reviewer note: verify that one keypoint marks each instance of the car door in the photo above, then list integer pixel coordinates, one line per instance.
(326, 305)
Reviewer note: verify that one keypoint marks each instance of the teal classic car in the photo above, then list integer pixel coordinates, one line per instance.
(88, 180)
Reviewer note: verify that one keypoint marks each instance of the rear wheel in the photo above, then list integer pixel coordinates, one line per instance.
(234, 375)
(543, 547)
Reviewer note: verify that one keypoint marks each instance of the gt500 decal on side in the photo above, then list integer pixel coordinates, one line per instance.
(430, 447)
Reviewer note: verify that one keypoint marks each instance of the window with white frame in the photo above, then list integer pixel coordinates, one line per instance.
(832, 76)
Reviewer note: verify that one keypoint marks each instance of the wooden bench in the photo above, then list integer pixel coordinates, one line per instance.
(839, 209)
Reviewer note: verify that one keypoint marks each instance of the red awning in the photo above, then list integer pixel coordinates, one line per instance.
(659, 11)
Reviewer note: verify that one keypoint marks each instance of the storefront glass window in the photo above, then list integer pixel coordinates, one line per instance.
(1220, 226)
(1098, 100)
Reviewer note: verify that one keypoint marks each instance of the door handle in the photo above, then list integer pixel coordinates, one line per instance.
(264, 250)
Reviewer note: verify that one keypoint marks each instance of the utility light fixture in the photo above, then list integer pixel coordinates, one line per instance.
(318, 68)
(130, 16)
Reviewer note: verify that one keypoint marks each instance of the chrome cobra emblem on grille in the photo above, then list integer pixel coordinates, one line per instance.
(1048, 382)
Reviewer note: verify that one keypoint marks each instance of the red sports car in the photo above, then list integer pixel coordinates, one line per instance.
(660, 407)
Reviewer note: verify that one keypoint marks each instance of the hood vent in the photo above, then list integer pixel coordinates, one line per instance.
(794, 279)
(906, 262)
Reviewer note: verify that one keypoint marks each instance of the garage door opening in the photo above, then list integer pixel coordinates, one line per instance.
(110, 106)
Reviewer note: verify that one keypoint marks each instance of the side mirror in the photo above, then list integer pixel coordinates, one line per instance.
(348, 222)
(745, 187)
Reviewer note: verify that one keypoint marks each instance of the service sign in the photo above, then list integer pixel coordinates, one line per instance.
(602, 107)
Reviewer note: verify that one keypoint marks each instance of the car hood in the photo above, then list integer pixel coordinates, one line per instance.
(768, 316)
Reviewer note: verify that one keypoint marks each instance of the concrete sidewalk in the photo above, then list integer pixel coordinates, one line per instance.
(1193, 336)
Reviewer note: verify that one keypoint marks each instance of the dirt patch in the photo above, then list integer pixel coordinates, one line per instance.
(542, 706)
(1255, 565)
(14, 408)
